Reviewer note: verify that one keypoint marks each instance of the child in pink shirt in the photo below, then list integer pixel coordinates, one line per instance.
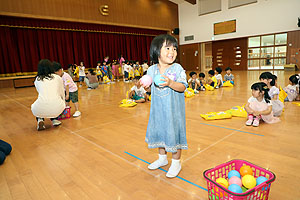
(70, 88)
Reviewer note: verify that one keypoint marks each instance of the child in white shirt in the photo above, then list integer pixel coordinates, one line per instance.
(138, 93)
(218, 76)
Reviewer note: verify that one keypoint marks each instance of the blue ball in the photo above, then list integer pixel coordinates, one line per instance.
(260, 180)
(157, 80)
(235, 188)
(233, 173)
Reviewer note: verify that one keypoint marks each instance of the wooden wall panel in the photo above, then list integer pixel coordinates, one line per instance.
(189, 59)
(293, 50)
(161, 14)
(227, 49)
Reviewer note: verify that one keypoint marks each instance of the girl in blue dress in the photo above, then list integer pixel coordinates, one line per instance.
(167, 127)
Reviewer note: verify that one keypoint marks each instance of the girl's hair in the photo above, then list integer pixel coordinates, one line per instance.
(56, 66)
(202, 75)
(268, 75)
(45, 70)
(157, 44)
(228, 68)
(261, 86)
(211, 72)
(295, 79)
(219, 70)
(92, 71)
(192, 73)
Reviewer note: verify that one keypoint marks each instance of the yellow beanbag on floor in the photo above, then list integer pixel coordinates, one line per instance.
(238, 111)
(106, 79)
(209, 88)
(189, 92)
(216, 115)
(127, 103)
(227, 84)
(298, 104)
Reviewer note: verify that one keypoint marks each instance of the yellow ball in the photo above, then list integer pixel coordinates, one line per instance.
(223, 182)
(249, 181)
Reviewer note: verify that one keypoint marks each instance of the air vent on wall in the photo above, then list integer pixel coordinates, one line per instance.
(188, 38)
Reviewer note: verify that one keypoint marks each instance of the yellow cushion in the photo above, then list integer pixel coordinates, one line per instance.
(238, 111)
(282, 94)
(209, 88)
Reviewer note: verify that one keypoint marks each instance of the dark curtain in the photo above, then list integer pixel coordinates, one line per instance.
(21, 48)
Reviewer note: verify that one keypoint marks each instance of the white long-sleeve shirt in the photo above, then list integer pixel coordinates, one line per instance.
(51, 100)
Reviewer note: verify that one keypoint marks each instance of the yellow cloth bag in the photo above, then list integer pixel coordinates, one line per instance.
(106, 79)
(127, 103)
(189, 92)
(209, 88)
(238, 111)
(282, 94)
(227, 84)
(216, 115)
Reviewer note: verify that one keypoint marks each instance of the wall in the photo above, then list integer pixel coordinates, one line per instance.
(153, 14)
(266, 16)
(293, 52)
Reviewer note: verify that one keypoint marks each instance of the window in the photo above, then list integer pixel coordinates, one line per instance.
(267, 51)
(254, 42)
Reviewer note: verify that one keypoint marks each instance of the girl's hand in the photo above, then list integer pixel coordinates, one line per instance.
(168, 82)
(256, 113)
(67, 97)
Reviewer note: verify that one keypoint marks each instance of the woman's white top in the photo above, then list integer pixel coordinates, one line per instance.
(51, 99)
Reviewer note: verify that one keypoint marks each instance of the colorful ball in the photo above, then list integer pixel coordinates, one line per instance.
(244, 189)
(235, 188)
(223, 182)
(146, 81)
(158, 81)
(233, 173)
(249, 181)
(235, 180)
(244, 170)
(260, 180)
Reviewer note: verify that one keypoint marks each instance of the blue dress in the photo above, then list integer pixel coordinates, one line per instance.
(167, 126)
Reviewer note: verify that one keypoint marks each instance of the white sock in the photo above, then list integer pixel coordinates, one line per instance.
(162, 157)
(162, 161)
(174, 169)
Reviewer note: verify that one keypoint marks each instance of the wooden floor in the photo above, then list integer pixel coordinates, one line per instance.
(85, 157)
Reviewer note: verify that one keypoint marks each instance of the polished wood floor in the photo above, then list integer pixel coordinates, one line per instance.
(85, 157)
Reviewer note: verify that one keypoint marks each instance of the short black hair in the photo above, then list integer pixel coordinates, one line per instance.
(56, 66)
(45, 70)
(211, 72)
(157, 44)
(219, 70)
(192, 73)
(202, 75)
(136, 78)
(92, 71)
(228, 68)
(294, 79)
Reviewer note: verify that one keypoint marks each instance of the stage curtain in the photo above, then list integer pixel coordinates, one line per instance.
(25, 41)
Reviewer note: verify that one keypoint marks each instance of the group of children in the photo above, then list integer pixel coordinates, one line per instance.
(264, 104)
(214, 79)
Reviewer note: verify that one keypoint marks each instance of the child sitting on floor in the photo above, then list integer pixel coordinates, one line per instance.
(137, 93)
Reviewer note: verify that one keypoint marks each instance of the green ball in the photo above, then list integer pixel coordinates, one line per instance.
(244, 189)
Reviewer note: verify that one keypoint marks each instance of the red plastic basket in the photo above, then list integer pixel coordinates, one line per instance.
(65, 114)
(218, 192)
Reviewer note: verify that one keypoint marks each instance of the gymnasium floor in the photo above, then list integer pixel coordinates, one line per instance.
(102, 154)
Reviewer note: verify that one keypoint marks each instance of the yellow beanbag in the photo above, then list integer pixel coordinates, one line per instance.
(227, 84)
(209, 88)
(189, 92)
(216, 115)
(298, 104)
(127, 103)
(238, 111)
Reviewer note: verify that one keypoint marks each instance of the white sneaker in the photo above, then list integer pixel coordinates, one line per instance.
(89, 88)
(40, 125)
(174, 169)
(55, 122)
(157, 164)
(80, 85)
(77, 114)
